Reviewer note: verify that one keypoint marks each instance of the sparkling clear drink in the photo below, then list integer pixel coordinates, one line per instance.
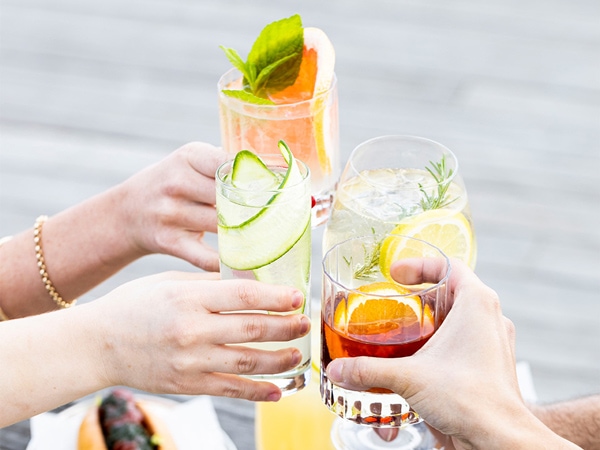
(265, 234)
(397, 184)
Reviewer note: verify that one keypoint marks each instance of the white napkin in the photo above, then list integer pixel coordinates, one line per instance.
(194, 425)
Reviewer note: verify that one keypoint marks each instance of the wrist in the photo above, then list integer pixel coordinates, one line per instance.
(110, 342)
(517, 428)
(22, 292)
(41, 264)
(88, 329)
(125, 213)
(102, 232)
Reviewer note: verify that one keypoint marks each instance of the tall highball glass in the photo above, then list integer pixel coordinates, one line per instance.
(310, 128)
(265, 234)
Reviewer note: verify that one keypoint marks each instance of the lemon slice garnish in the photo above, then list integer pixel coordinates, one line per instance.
(451, 232)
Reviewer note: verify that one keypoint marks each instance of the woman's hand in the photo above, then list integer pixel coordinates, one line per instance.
(165, 208)
(169, 206)
(166, 334)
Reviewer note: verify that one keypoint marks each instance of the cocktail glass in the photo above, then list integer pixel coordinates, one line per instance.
(407, 185)
(265, 234)
(365, 313)
(309, 127)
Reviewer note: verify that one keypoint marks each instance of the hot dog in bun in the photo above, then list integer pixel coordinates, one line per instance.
(122, 423)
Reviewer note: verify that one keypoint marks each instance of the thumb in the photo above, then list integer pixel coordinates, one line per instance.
(363, 372)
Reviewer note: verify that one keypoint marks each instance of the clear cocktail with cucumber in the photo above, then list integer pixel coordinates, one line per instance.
(264, 229)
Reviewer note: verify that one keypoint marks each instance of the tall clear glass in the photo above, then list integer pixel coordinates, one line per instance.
(310, 128)
(407, 185)
(364, 313)
(266, 235)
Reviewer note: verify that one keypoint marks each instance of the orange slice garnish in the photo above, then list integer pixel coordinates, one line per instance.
(382, 308)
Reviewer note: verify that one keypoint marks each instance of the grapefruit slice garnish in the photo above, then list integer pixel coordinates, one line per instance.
(315, 78)
(316, 70)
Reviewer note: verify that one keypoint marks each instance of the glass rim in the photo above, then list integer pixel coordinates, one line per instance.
(433, 286)
(237, 101)
(443, 148)
(305, 171)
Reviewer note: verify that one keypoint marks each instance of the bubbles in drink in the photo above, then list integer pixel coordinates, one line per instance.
(375, 201)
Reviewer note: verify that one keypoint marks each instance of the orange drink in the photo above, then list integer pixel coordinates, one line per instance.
(296, 422)
(297, 102)
(299, 421)
(309, 127)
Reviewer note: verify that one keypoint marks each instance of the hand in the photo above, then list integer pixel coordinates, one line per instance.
(166, 334)
(463, 381)
(169, 206)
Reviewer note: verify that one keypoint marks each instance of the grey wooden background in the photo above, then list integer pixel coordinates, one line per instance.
(91, 92)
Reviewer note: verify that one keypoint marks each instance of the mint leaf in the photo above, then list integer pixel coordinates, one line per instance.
(235, 59)
(274, 59)
(274, 78)
(278, 52)
(247, 97)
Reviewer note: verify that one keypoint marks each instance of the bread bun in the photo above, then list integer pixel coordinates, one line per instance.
(91, 435)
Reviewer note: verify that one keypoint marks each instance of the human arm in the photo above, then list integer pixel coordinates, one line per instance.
(577, 420)
(463, 381)
(161, 334)
(165, 208)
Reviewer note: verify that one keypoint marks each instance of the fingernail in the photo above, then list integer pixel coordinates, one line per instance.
(274, 396)
(296, 358)
(334, 371)
(297, 299)
(304, 325)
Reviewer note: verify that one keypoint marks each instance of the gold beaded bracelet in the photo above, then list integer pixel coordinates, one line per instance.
(3, 316)
(39, 255)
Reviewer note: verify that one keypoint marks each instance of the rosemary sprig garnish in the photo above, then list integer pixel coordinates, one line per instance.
(371, 261)
(442, 175)
(371, 264)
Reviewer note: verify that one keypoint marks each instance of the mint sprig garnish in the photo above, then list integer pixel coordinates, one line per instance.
(273, 62)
